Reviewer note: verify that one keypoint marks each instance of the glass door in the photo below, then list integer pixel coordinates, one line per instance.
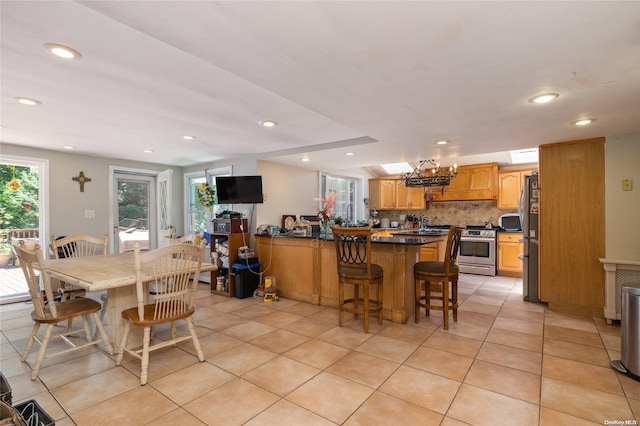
(135, 212)
(22, 217)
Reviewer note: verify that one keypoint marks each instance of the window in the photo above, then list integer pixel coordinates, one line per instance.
(198, 217)
(348, 190)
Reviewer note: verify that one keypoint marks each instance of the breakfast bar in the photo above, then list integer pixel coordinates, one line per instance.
(305, 269)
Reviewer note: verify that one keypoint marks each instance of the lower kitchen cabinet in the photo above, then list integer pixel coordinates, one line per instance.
(509, 248)
(433, 252)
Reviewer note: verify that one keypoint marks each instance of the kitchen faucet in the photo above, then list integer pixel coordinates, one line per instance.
(425, 221)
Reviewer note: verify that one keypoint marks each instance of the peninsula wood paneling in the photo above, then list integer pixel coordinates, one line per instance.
(305, 269)
(572, 226)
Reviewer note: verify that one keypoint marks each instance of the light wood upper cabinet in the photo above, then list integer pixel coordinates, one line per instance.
(476, 182)
(382, 194)
(408, 198)
(509, 187)
(392, 194)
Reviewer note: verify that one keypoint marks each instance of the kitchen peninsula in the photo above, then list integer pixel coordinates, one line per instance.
(305, 269)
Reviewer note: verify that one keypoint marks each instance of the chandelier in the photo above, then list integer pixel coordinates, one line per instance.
(426, 177)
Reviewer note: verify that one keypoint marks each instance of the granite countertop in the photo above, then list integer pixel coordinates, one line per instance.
(395, 239)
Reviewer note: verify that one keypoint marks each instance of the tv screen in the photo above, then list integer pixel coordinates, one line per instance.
(239, 189)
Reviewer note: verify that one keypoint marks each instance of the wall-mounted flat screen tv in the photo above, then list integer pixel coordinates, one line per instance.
(239, 189)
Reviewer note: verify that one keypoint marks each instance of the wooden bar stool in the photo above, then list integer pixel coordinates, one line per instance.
(353, 251)
(438, 275)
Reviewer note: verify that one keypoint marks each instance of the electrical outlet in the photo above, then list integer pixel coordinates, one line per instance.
(627, 184)
(89, 214)
(264, 196)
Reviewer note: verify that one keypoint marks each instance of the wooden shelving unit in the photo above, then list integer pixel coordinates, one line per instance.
(228, 230)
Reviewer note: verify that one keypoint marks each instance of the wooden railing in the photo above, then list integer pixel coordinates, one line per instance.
(8, 235)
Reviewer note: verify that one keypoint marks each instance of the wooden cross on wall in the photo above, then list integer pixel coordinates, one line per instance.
(81, 179)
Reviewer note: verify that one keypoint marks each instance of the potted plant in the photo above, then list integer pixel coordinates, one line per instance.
(6, 254)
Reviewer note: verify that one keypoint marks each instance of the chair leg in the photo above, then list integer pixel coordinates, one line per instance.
(27, 348)
(418, 290)
(103, 333)
(454, 299)
(41, 352)
(87, 328)
(365, 307)
(445, 303)
(196, 341)
(145, 356)
(123, 342)
(380, 296)
(340, 303)
(356, 298)
(427, 296)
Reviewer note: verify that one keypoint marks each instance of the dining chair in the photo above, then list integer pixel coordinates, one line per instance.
(172, 267)
(353, 252)
(77, 246)
(46, 311)
(436, 276)
(185, 239)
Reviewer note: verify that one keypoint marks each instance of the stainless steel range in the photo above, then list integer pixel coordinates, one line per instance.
(478, 251)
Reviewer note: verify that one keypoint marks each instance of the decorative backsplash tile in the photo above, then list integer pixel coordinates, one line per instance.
(454, 213)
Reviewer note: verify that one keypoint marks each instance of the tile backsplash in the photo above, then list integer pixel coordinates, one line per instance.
(454, 212)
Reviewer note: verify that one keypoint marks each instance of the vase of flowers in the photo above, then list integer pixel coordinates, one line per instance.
(325, 212)
(206, 195)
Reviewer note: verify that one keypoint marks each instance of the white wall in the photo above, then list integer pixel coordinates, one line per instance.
(622, 161)
(67, 204)
(289, 190)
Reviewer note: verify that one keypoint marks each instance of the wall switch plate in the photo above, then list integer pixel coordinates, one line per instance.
(627, 184)
(89, 214)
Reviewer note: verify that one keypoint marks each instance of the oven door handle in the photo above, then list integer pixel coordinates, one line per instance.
(478, 239)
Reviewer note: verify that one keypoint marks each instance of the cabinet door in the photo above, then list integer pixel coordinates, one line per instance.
(477, 182)
(428, 253)
(408, 198)
(509, 184)
(509, 249)
(382, 194)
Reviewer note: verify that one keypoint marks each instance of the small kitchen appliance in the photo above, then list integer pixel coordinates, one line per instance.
(510, 222)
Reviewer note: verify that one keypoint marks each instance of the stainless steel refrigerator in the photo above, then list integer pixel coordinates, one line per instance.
(528, 208)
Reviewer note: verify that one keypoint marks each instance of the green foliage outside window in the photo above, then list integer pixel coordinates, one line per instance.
(18, 209)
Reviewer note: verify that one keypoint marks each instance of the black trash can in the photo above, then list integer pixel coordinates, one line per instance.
(630, 338)
(246, 278)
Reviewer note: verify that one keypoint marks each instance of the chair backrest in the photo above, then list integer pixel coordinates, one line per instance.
(79, 245)
(32, 260)
(353, 247)
(172, 266)
(185, 239)
(453, 248)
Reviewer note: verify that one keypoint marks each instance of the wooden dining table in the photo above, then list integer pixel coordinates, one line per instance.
(115, 273)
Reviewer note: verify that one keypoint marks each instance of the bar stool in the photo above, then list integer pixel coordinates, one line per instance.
(438, 275)
(353, 251)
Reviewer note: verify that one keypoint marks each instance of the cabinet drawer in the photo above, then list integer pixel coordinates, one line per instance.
(509, 237)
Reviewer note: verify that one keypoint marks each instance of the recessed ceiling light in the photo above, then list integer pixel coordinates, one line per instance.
(349, 153)
(442, 142)
(544, 98)
(147, 151)
(69, 147)
(305, 159)
(28, 101)
(268, 123)
(583, 122)
(62, 51)
(188, 137)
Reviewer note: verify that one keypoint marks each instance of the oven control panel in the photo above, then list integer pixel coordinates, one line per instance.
(486, 233)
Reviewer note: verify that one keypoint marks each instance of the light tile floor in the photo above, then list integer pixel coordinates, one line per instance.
(288, 363)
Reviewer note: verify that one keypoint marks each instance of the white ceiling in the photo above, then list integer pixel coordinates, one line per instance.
(383, 80)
